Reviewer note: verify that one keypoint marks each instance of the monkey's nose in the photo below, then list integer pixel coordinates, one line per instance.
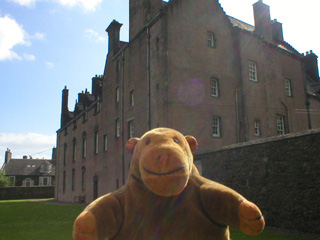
(163, 158)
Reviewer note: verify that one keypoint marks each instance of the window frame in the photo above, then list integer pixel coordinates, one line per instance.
(117, 128)
(83, 178)
(28, 181)
(280, 125)
(257, 128)
(64, 182)
(65, 146)
(252, 71)
(216, 125)
(96, 143)
(117, 94)
(288, 87)
(41, 181)
(73, 176)
(211, 41)
(84, 145)
(131, 95)
(105, 142)
(74, 150)
(131, 128)
(12, 181)
(214, 90)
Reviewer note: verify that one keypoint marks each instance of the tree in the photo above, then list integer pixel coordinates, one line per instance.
(4, 180)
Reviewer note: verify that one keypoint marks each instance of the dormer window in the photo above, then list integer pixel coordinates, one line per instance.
(45, 167)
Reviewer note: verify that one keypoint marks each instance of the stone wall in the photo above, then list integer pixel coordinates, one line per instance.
(11, 193)
(280, 174)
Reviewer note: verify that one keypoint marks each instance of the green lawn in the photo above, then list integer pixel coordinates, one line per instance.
(26, 220)
(236, 235)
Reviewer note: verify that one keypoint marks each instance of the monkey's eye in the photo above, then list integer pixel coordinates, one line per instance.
(148, 141)
(175, 140)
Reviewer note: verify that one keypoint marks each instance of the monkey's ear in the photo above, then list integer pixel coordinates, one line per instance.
(131, 144)
(193, 143)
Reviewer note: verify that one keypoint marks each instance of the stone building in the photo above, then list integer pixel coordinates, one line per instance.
(188, 66)
(28, 172)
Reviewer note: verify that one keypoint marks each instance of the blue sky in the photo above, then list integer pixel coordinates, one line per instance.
(48, 44)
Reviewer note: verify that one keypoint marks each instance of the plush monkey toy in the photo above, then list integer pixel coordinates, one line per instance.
(165, 198)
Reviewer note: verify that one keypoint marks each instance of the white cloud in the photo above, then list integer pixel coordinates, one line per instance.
(38, 36)
(86, 4)
(27, 141)
(29, 57)
(11, 34)
(49, 64)
(94, 36)
(27, 3)
(35, 144)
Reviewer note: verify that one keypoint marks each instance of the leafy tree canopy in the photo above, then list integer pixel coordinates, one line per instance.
(4, 180)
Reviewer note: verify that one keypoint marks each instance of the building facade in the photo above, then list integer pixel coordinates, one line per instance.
(28, 172)
(191, 67)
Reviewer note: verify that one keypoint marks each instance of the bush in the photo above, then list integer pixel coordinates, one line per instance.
(4, 180)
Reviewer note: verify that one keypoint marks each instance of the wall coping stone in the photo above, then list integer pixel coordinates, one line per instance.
(264, 140)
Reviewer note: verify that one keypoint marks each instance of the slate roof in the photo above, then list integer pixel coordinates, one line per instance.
(247, 27)
(237, 23)
(29, 167)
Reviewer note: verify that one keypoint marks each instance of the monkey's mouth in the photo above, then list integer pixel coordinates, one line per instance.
(164, 174)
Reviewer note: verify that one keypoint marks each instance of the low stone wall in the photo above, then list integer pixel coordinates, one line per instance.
(11, 193)
(280, 174)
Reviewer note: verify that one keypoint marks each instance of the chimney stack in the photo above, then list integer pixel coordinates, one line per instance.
(277, 32)
(262, 20)
(64, 107)
(310, 61)
(8, 156)
(114, 37)
(97, 86)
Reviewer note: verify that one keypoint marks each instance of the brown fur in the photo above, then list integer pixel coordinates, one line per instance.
(165, 198)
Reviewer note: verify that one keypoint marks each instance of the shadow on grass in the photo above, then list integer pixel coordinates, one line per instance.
(37, 220)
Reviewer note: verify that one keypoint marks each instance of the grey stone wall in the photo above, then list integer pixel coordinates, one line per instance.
(280, 174)
(11, 193)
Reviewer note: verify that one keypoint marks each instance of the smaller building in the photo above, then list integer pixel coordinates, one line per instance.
(28, 172)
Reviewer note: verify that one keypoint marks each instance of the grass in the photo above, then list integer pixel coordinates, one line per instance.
(26, 219)
(266, 235)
